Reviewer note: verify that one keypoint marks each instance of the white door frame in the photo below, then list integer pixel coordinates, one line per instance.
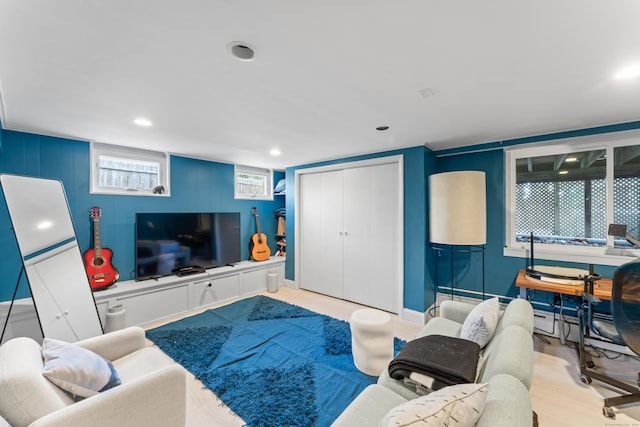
(398, 159)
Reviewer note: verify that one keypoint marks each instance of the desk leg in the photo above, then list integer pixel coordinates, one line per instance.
(561, 320)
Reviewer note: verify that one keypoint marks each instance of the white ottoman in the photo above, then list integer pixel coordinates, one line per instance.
(371, 340)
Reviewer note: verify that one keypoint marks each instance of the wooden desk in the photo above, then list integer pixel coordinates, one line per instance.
(601, 288)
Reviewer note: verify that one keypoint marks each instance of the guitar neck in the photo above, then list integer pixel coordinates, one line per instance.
(258, 228)
(96, 238)
(258, 224)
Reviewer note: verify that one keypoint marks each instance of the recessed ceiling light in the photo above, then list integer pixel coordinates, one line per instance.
(571, 159)
(426, 92)
(563, 172)
(381, 128)
(274, 152)
(241, 50)
(629, 72)
(142, 122)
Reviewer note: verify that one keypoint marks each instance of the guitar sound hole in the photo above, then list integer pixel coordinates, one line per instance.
(98, 261)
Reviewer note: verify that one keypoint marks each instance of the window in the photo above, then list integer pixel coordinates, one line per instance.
(568, 193)
(253, 183)
(123, 170)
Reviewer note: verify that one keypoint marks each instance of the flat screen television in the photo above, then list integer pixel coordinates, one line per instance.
(167, 241)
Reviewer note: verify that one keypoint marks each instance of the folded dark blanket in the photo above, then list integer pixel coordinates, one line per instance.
(448, 360)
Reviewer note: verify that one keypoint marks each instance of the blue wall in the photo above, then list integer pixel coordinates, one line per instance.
(501, 271)
(419, 162)
(196, 186)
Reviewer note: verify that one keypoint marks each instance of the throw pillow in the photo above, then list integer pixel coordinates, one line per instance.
(481, 323)
(458, 405)
(77, 370)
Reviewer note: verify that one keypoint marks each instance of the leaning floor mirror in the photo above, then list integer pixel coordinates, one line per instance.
(52, 260)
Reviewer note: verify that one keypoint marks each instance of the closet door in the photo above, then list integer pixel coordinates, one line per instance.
(321, 233)
(357, 235)
(371, 215)
(385, 220)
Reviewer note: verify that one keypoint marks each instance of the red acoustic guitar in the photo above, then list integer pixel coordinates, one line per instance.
(97, 261)
(258, 247)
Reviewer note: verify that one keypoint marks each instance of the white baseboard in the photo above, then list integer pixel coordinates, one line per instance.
(291, 284)
(413, 316)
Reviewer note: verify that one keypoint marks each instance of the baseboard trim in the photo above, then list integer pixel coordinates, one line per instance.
(291, 284)
(413, 316)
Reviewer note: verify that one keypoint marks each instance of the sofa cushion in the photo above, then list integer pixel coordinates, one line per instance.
(481, 323)
(141, 362)
(462, 402)
(440, 326)
(77, 370)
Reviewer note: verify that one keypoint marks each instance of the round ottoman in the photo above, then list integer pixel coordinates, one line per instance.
(371, 340)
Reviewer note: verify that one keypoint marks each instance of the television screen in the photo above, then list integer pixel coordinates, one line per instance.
(166, 241)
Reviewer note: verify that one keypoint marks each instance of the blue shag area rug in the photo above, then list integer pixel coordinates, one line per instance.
(273, 363)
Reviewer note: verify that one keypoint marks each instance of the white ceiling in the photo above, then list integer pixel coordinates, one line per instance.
(325, 75)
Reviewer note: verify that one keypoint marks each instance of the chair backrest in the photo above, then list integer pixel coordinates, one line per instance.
(25, 394)
(625, 303)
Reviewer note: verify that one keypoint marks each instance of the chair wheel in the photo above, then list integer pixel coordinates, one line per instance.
(585, 379)
(590, 364)
(608, 412)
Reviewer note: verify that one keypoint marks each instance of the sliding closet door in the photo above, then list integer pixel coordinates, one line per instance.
(385, 220)
(349, 234)
(321, 232)
(371, 218)
(357, 235)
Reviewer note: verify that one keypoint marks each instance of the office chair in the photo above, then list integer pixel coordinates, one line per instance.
(624, 330)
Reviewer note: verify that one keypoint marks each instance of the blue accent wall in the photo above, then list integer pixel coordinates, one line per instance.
(419, 162)
(501, 271)
(196, 186)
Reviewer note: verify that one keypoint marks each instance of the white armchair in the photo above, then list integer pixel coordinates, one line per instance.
(153, 389)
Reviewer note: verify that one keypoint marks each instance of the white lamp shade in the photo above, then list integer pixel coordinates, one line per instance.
(458, 208)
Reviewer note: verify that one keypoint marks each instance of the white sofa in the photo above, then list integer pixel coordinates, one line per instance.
(506, 366)
(153, 389)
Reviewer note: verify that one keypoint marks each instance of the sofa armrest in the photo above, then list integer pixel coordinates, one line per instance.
(455, 310)
(511, 352)
(156, 399)
(369, 407)
(508, 404)
(116, 344)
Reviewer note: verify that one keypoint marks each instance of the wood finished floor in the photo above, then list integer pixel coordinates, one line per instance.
(559, 397)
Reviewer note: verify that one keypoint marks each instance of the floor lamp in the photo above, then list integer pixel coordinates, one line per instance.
(457, 216)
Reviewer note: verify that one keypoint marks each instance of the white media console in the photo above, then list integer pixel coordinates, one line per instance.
(151, 301)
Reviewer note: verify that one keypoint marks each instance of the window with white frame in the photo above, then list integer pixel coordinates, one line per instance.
(567, 194)
(253, 183)
(123, 170)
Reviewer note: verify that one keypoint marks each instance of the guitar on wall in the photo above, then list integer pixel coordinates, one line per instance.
(97, 261)
(258, 248)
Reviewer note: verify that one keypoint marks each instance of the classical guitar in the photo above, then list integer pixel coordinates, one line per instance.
(97, 261)
(258, 248)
